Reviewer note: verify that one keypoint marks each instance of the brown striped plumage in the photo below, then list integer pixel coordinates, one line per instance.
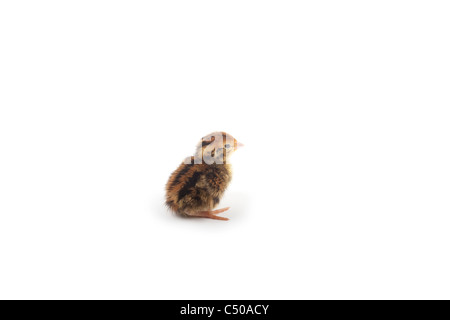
(198, 184)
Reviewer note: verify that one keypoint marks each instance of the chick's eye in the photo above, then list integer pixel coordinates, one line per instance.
(227, 146)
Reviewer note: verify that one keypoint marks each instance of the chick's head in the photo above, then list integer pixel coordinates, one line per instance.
(216, 147)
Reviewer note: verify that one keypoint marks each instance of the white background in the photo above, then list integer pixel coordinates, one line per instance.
(341, 192)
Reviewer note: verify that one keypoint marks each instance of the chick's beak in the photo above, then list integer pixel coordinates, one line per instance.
(239, 145)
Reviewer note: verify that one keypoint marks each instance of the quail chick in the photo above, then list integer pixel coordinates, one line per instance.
(195, 188)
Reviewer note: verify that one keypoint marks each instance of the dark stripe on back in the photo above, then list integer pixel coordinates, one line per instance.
(181, 173)
(188, 185)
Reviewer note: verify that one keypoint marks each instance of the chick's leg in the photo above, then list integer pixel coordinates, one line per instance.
(210, 214)
(217, 211)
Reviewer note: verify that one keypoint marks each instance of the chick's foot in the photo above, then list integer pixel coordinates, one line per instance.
(210, 214)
